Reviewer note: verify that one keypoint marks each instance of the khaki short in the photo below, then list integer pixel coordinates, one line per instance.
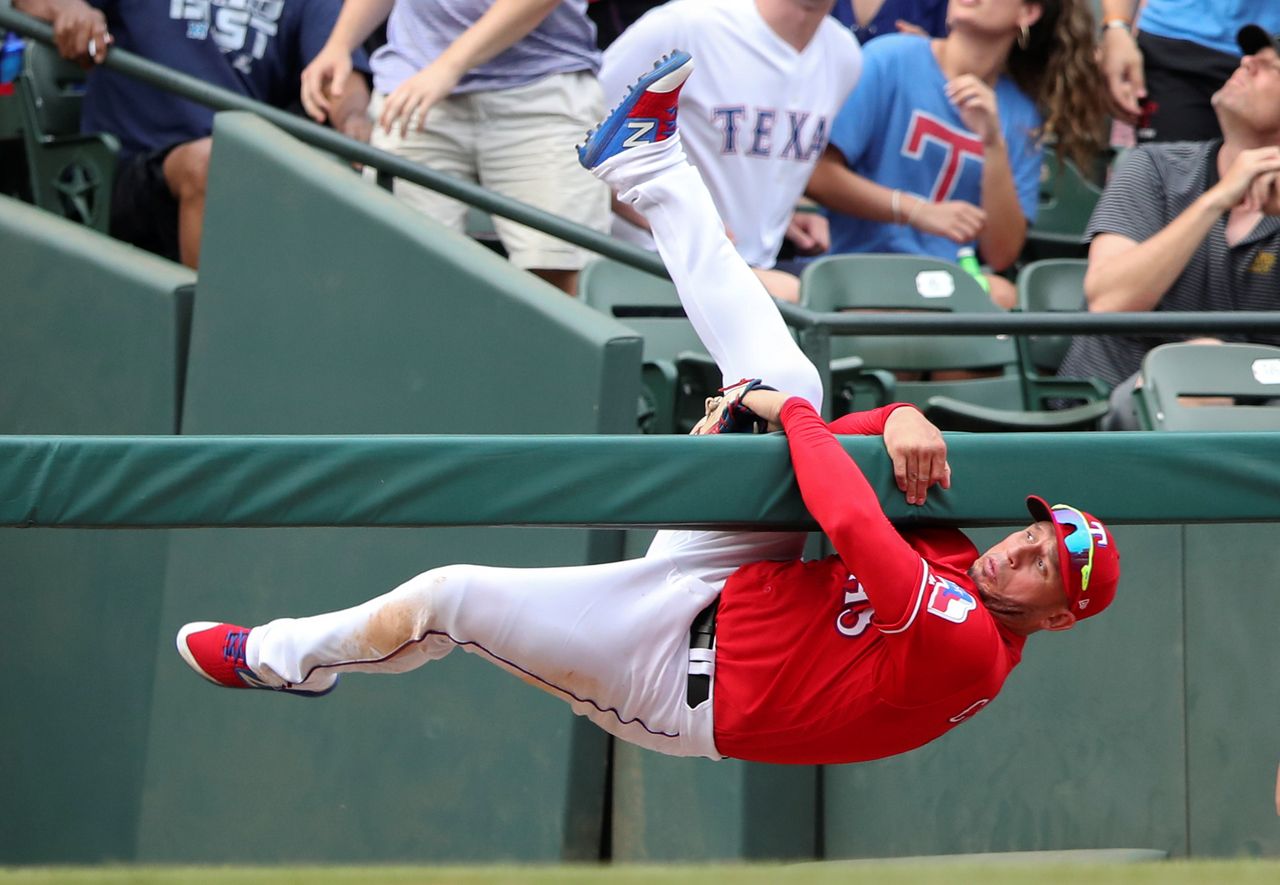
(517, 142)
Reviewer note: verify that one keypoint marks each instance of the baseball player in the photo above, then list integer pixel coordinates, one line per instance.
(727, 644)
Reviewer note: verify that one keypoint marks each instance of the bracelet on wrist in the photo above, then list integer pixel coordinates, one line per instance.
(1116, 22)
(920, 201)
(895, 205)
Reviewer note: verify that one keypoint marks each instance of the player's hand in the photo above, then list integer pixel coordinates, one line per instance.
(958, 221)
(975, 101)
(919, 453)
(1248, 182)
(408, 105)
(1121, 64)
(324, 81)
(80, 33)
(809, 232)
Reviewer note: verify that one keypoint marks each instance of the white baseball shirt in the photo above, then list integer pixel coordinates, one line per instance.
(754, 116)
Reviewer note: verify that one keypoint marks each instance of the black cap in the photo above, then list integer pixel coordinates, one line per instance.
(1254, 38)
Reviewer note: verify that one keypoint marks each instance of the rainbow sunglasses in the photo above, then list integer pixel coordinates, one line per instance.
(1079, 542)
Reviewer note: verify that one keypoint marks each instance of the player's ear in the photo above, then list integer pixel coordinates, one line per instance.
(1059, 620)
(1030, 14)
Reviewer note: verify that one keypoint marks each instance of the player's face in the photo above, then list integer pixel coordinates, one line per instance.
(1018, 579)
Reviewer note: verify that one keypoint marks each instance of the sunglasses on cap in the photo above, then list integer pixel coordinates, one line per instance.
(1078, 542)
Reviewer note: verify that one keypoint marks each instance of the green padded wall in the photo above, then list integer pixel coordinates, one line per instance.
(1084, 747)
(92, 335)
(1233, 712)
(325, 306)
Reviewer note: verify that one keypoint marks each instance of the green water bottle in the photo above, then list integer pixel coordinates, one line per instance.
(966, 258)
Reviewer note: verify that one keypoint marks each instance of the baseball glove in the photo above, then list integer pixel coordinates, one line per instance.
(727, 414)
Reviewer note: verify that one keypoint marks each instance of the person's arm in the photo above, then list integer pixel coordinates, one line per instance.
(845, 506)
(325, 78)
(1128, 275)
(502, 25)
(350, 115)
(837, 187)
(77, 27)
(1121, 60)
(1006, 227)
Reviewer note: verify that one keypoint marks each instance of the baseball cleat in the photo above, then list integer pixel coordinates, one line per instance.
(217, 652)
(646, 116)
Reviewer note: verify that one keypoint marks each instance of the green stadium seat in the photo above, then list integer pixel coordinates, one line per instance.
(1241, 382)
(1066, 201)
(907, 368)
(1052, 285)
(69, 173)
(678, 373)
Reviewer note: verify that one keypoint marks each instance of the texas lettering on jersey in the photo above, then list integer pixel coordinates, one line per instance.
(767, 132)
(927, 134)
(244, 27)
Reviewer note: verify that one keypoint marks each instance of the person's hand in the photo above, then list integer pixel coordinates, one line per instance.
(1250, 182)
(906, 27)
(918, 451)
(975, 101)
(80, 33)
(323, 82)
(408, 105)
(958, 221)
(809, 232)
(1121, 64)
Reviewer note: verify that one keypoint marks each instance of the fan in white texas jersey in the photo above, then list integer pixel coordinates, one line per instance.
(771, 76)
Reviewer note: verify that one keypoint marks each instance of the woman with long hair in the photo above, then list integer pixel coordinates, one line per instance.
(939, 146)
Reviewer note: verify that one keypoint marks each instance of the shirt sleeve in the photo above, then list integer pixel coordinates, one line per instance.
(1131, 203)
(868, 423)
(845, 506)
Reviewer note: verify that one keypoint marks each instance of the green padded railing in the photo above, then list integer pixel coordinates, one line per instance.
(205, 481)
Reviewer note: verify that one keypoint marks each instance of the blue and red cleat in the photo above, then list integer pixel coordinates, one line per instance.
(217, 652)
(646, 116)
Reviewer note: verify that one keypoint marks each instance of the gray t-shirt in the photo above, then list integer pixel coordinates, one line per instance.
(1152, 186)
(419, 30)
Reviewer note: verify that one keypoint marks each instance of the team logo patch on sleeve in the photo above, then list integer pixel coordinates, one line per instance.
(949, 601)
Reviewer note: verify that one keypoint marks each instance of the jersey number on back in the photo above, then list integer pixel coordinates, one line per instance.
(856, 614)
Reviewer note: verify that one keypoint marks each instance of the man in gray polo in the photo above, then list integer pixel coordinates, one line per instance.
(1189, 226)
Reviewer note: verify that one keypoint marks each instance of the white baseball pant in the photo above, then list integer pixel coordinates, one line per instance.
(612, 639)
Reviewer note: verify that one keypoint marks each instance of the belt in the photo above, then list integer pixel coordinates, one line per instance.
(702, 643)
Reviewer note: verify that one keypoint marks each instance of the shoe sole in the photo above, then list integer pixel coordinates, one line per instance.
(666, 76)
(185, 651)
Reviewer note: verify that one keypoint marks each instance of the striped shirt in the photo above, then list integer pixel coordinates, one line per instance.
(1152, 186)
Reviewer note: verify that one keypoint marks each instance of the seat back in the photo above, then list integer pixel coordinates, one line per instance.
(911, 283)
(1052, 284)
(645, 303)
(1242, 380)
(1066, 201)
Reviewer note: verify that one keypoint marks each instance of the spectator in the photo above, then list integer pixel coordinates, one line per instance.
(939, 146)
(157, 201)
(754, 118)
(497, 93)
(1189, 226)
(874, 18)
(1185, 52)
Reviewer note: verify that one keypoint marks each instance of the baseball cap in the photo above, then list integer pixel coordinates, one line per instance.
(1087, 556)
(1254, 38)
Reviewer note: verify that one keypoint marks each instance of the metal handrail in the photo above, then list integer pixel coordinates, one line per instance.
(837, 324)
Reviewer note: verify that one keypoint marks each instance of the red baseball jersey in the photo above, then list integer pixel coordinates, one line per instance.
(867, 653)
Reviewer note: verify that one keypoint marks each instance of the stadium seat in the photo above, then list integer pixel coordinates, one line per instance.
(1067, 198)
(1241, 382)
(69, 174)
(678, 373)
(961, 382)
(1052, 285)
